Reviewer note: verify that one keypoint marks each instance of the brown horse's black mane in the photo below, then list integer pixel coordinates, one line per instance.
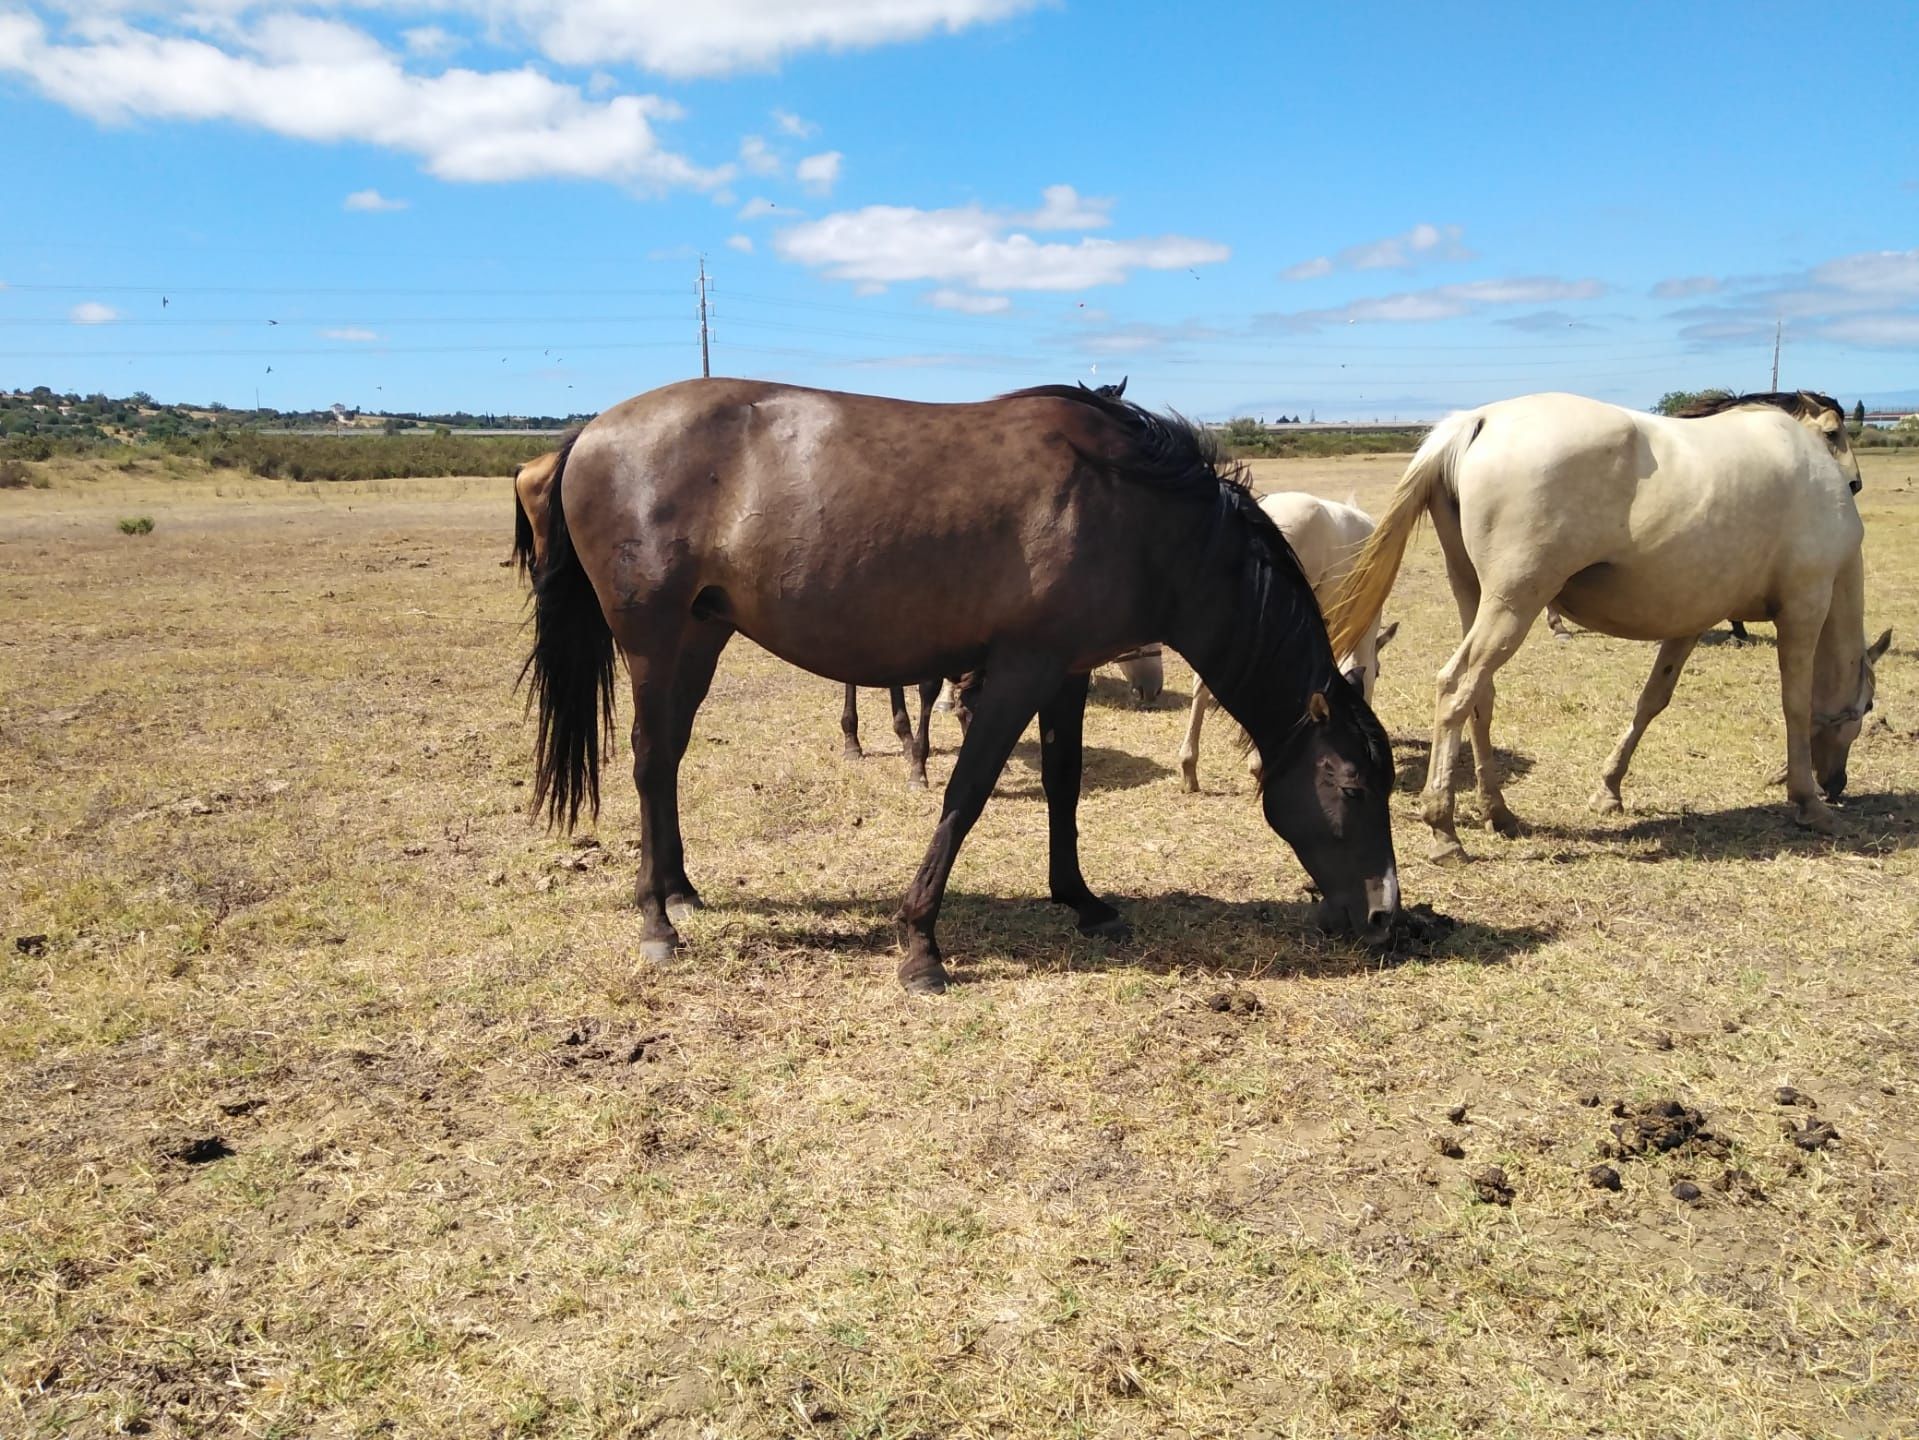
(1800, 404)
(1280, 615)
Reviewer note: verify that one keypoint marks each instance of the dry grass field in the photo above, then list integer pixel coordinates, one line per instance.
(335, 1102)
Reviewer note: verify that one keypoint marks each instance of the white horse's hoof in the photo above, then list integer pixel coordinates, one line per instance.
(1448, 852)
(1604, 802)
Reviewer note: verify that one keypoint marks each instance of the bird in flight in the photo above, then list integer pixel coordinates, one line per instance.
(163, 302)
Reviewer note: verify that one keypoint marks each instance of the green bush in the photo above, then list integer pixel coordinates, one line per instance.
(137, 525)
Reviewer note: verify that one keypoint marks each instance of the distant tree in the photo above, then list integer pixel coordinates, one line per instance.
(1675, 402)
(1858, 417)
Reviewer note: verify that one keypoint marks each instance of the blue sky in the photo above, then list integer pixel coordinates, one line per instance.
(1357, 210)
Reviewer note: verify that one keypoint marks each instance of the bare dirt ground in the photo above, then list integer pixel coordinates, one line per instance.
(334, 1101)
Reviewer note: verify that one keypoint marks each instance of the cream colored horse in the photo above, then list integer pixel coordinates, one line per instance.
(1326, 537)
(1648, 528)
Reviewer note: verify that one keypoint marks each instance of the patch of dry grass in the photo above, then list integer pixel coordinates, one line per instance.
(261, 791)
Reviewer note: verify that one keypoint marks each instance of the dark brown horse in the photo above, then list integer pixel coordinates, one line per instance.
(1026, 539)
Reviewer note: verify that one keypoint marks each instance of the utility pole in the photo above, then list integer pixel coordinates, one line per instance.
(706, 364)
(1777, 327)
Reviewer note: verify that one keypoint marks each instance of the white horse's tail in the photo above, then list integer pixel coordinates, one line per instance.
(1361, 594)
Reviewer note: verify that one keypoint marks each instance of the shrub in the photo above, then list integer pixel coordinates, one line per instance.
(14, 475)
(136, 525)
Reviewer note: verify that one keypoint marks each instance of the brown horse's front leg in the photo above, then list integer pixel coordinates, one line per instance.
(850, 725)
(1005, 703)
(1061, 757)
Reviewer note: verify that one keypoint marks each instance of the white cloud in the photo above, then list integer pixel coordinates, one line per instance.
(714, 37)
(819, 173)
(1442, 302)
(429, 42)
(741, 243)
(757, 158)
(969, 304)
(975, 247)
(794, 125)
(372, 200)
(1684, 287)
(1869, 299)
(1064, 208)
(350, 332)
(759, 207)
(92, 312)
(1408, 251)
(327, 82)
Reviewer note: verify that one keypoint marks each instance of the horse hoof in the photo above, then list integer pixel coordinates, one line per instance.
(1506, 823)
(929, 980)
(659, 952)
(678, 907)
(852, 752)
(1114, 928)
(916, 782)
(1604, 802)
(1816, 815)
(1448, 852)
(1189, 781)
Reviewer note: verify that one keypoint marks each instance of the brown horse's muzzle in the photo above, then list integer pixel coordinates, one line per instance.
(1369, 915)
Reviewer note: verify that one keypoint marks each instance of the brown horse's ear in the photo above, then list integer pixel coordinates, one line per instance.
(1386, 632)
(1319, 709)
(1879, 647)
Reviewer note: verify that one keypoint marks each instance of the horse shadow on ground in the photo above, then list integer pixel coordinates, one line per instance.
(1881, 824)
(1716, 638)
(1175, 932)
(1412, 755)
(1104, 769)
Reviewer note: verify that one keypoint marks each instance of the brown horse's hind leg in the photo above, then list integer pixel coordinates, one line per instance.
(1011, 693)
(922, 742)
(1666, 666)
(1062, 723)
(903, 727)
(850, 724)
(1464, 683)
(670, 676)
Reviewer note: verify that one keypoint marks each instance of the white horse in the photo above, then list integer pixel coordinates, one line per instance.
(1648, 528)
(1326, 537)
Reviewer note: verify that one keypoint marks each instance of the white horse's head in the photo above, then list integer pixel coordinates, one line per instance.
(1834, 730)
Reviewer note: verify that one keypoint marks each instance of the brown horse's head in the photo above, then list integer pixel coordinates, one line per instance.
(1326, 794)
(1833, 731)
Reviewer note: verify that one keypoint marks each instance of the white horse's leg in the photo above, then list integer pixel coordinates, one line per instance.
(1798, 638)
(1189, 747)
(1464, 580)
(1464, 683)
(1653, 699)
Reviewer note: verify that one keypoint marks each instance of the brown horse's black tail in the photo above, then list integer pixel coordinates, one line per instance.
(522, 534)
(572, 670)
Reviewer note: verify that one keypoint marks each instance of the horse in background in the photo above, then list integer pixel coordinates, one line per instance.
(1326, 537)
(1645, 527)
(1076, 526)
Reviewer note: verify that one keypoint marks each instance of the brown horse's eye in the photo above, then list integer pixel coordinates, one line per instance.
(1353, 792)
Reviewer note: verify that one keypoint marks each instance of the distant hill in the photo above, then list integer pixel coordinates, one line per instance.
(42, 417)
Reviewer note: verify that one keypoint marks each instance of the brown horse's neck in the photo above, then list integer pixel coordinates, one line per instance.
(1842, 644)
(1251, 629)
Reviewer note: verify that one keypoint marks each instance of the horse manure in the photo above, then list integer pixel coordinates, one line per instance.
(1786, 1095)
(1421, 926)
(201, 1150)
(30, 944)
(1457, 1114)
(1235, 1002)
(1685, 1190)
(1449, 1147)
(1492, 1186)
(1658, 1039)
(1603, 1177)
(1659, 1126)
(240, 1107)
(593, 1042)
(1813, 1135)
(1739, 1180)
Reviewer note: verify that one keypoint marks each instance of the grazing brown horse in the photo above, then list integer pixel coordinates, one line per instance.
(1025, 540)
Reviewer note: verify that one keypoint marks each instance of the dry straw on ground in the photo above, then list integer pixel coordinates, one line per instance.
(332, 1100)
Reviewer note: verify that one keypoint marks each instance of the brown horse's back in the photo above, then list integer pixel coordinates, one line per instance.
(874, 541)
